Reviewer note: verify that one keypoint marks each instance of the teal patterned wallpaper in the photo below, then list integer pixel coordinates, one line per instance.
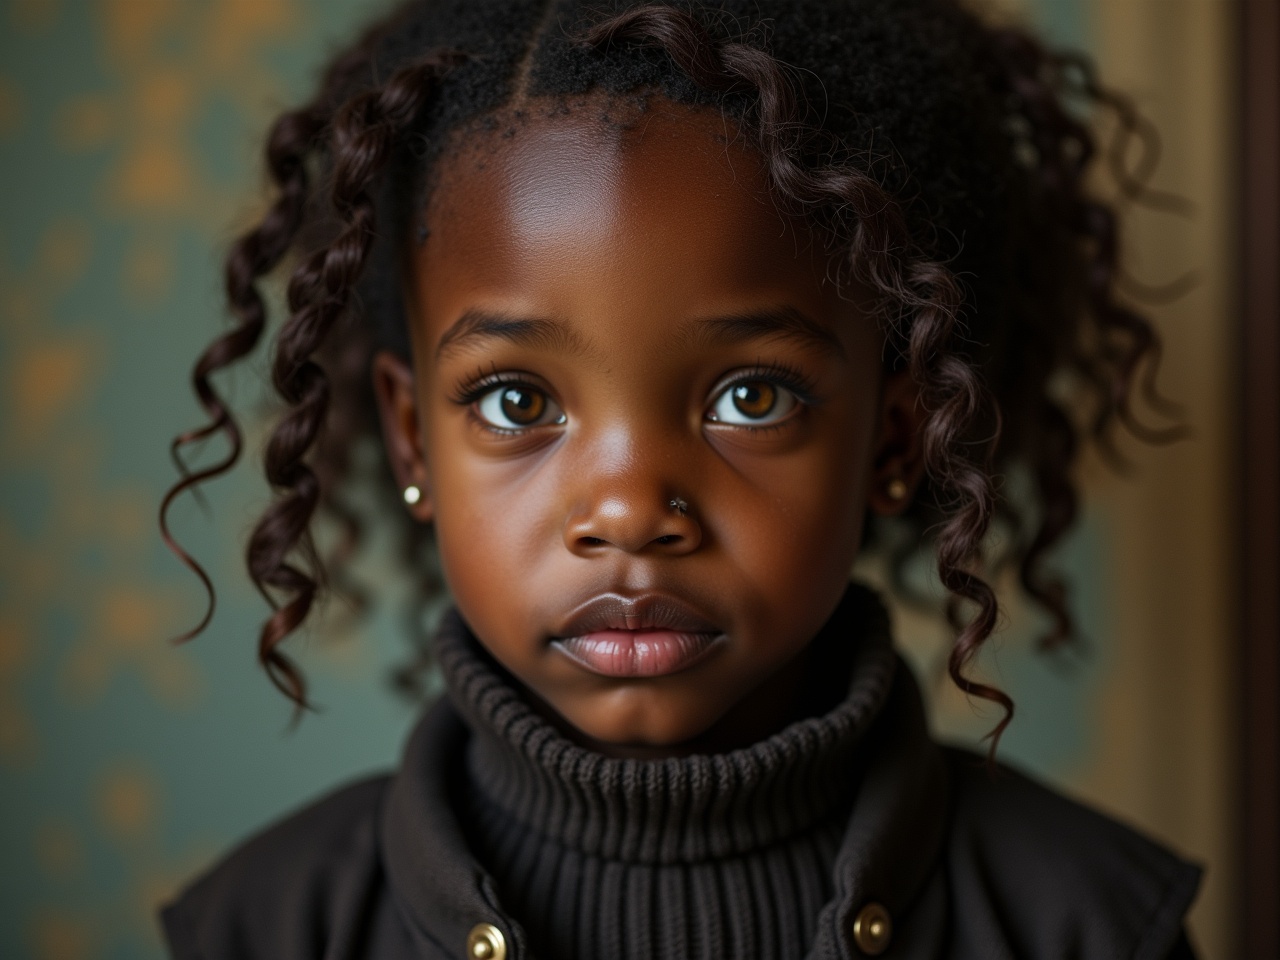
(129, 133)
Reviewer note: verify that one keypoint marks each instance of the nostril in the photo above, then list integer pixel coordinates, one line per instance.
(670, 538)
(591, 541)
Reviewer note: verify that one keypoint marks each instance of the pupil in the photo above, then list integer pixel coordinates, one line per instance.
(754, 399)
(522, 406)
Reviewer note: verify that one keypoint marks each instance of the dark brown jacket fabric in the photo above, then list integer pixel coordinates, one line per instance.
(497, 824)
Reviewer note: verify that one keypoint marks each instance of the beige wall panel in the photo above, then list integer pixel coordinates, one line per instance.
(1165, 761)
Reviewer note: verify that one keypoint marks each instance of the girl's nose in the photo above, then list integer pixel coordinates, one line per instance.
(634, 523)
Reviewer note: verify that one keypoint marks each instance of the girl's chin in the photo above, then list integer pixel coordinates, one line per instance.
(666, 728)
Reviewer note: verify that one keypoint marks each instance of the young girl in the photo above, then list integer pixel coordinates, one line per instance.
(664, 312)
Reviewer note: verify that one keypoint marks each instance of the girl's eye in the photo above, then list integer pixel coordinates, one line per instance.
(753, 403)
(515, 406)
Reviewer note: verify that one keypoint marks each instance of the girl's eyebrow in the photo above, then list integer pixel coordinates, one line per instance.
(543, 332)
(772, 323)
(548, 333)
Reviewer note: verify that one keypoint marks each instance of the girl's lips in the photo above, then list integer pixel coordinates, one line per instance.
(638, 653)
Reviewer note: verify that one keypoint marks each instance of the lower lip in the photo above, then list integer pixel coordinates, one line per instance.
(638, 653)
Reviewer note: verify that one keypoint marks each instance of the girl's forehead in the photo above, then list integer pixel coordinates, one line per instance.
(582, 164)
(666, 196)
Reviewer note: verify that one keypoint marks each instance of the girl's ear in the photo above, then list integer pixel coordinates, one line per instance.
(393, 385)
(897, 462)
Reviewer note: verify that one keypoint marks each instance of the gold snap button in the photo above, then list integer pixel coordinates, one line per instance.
(872, 929)
(486, 942)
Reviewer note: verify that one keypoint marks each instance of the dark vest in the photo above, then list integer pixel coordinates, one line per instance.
(847, 834)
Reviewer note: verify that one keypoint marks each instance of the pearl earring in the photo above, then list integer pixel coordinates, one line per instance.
(896, 489)
(412, 494)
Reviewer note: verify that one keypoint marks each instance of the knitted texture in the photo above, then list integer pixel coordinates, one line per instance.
(692, 857)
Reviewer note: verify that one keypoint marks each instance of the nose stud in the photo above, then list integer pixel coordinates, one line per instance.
(680, 506)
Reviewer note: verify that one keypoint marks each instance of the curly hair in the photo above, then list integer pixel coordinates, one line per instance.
(944, 158)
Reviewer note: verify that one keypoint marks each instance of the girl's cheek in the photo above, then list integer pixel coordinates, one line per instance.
(498, 512)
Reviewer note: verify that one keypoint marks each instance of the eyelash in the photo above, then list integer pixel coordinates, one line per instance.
(483, 380)
(780, 374)
(480, 383)
(473, 388)
(783, 375)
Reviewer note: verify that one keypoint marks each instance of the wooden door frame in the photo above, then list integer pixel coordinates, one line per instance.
(1259, 463)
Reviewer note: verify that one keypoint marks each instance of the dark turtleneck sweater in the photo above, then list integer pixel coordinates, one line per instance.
(496, 823)
(699, 857)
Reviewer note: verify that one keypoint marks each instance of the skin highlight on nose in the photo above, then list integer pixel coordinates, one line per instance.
(633, 527)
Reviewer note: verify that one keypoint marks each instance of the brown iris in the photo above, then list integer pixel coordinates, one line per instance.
(755, 398)
(523, 406)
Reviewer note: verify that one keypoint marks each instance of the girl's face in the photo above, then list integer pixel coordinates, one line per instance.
(646, 425)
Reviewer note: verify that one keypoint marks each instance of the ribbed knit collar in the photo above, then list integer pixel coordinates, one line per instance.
(892, 835)
(684, 809)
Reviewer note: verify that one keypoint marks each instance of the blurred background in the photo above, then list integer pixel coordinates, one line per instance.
(129, 137)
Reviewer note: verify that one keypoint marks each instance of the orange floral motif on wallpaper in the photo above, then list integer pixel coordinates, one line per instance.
(146, 111)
